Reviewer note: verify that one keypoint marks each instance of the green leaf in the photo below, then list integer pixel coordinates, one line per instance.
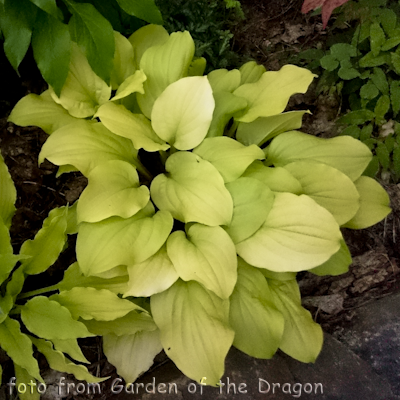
(377, 38)
(85, 145)
(357, 117)
(227, 105)
(252, 201)
(130, 324)
(73, 277)
(388, 19)
(51, 45)
(270, 95)
(348, 73)
(15, 285)
(8, 196)
(143, 9)
(396, 160)
(195, 332)
(344, 153)
(48, 6)
(58, 362)
(146, 37)
(83, 90)
(265, 128)
(132, 355)
(23, 377)
(41, 111)
(290, 240)
(390, 43)
(50, 320)
(132, 84)
(366, 132)
(343, 51)
(395, 96)
(329, 62)
(151, 276)
(277, 179)
(382, 108)
(135, 127)
(228, 156)
(396, 62)
(251, 72)
(113, 190)
(352, 130)
(369, 91)
(123, 62)
(329, 187)
(374, 204)
(192, 191)
(379, 79)
(16, 24)
(6, 304)
(18, 347)
(207, 255)
(338, 264)
(163, 65)
(371, 60)
(222, 80)
(47, 245)
(91, 303)
(302, 337)
(116, 241)
(197, 67)
(383, 155)
(94, 35)
(182, 114)
(70, 347)
(258, 325)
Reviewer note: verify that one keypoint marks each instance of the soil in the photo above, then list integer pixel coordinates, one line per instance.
(272, 33)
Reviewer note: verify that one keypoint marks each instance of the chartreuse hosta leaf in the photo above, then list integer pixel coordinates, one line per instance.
(117, 241)
(23, 377)
(183, 112)
(206, 254)
(265, 128)
(195, 332)
(344, 153)
(135, 127)
(252, 201)
(8, 195)
(40, 111)
(374, 204)
(47, 245)
(86, 145)
(132, 84)
(329, 187)
(298, 234)
(113, 190)
(197, 67)
(146, 37)
(258, 325)
(270, 94)
(230, 157)
(338, 264)
(58, 362)
(277, 179)
(50, 320)
(132, 355)
(6, 304)
(222, 80)
(164, 64)
(192, 191)
(251, 72)
(83, 90)
(302, 337)
(123, 61)
(73, 277)
(18, 347)
(151, 276)
(91, 303)
(70, 347)
(129, 324)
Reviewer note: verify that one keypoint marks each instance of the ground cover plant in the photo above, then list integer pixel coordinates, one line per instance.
(203, 203)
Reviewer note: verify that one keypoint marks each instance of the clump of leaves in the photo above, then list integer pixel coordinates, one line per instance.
(209, 22)
(50, 27)
(205, 199)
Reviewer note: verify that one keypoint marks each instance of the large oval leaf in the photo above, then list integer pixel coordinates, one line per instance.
(329, 187)
(344, 153)
(298, 234)
(117, 241)
(195, 332)
(230, 157)
(192, 191)
(182, 114)
(113, 190)
(8, 194)
(206, 255)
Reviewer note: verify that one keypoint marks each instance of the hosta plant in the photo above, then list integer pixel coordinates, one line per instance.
(205, 198)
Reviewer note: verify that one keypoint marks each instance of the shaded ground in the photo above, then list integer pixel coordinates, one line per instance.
(273, 32)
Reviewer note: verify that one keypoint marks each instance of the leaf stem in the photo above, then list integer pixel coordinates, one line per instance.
(38, 291)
